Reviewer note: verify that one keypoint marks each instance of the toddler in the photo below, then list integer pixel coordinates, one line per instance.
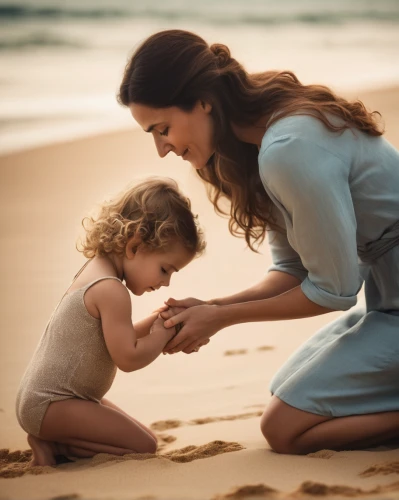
(137, 241)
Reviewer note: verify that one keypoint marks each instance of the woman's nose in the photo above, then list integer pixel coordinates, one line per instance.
(163, 148)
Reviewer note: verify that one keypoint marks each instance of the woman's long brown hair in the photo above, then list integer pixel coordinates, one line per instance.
(178, 68)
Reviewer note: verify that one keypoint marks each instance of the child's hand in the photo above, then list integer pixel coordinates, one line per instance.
(161, 309)
(158, 328)
(171, 311)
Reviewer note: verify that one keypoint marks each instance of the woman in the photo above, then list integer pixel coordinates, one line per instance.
(314, 171)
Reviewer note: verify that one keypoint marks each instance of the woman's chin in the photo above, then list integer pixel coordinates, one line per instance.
(199, 166)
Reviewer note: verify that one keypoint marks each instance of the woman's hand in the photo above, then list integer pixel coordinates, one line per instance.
(173, 311)
(186, 303)
(199, 324)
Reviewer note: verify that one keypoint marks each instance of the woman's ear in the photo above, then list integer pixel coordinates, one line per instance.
(206, 106)
(131, 246)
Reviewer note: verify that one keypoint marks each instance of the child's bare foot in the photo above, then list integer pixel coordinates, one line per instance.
(43, 451)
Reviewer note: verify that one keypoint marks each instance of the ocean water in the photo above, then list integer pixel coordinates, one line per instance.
(62, 61)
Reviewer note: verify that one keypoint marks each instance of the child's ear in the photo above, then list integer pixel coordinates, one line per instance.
(131, 246)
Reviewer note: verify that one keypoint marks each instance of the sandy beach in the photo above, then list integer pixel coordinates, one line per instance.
(205, 406)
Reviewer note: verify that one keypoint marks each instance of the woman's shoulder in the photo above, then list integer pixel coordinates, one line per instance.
(305, 132)
(294, 147)
(301, 126)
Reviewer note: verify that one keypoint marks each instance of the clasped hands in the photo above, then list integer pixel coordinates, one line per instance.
(198, 320)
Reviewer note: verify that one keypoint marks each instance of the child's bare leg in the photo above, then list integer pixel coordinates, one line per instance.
(293, 431)
(43, 452)
(88, 427)
(110, 404)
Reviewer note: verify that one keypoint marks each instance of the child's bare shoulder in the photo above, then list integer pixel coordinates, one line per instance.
(109, 293)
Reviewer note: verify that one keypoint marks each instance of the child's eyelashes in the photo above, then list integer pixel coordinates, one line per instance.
(164, 271)
(165, 131)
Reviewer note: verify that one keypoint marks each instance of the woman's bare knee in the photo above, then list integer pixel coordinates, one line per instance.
(277, 439)
(281, 424)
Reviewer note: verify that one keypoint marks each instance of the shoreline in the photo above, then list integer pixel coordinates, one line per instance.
(367, 90)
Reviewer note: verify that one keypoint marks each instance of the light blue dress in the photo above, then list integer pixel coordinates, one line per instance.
(336, 196)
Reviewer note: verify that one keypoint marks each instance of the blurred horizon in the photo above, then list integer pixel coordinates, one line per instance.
(62, 61)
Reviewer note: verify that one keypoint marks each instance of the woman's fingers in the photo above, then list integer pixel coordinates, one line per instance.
(181, 346)
(174, 320)
(175, 342)
(195, 346)
(172, 311)
(188, 302)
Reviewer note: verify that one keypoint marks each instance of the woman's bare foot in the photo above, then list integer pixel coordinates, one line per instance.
(43, 451)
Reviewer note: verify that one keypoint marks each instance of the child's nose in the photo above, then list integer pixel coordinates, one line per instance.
(166, 281)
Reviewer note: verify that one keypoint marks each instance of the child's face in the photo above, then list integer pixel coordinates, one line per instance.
(146, 271)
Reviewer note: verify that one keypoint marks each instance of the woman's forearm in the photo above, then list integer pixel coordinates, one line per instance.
(292, 304)
(275, 283)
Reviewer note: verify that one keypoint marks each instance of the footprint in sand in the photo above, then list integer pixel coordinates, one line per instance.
(163, 425)
(307, 489)
(384, 469)
(165, 438)
(183, 455)
(238, 352)
(235, 352)
(249, 492)
(320, 489)
(190, 453)
(326, 454)
(208, 420)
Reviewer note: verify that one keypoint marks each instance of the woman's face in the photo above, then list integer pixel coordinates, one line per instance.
(188, 134)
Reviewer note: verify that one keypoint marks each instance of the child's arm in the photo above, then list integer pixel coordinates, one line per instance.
(128, 352)
(143, 327)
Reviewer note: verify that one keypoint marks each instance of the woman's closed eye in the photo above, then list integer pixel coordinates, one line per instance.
(164, 132)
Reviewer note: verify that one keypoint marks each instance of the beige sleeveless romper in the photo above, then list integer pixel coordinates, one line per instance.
(71, 361)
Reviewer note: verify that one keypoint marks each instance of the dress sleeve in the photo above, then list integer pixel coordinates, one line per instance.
(310, 185)
(285, 258)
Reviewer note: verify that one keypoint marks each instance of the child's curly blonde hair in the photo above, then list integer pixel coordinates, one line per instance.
(154, 210)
